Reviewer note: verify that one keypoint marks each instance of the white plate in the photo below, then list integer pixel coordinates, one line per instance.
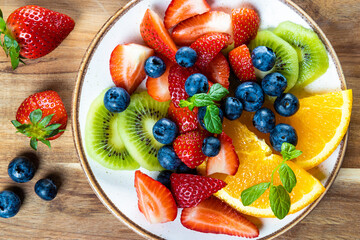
(116, 188)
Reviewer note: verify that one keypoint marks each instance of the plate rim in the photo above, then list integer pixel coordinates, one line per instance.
(75, 124)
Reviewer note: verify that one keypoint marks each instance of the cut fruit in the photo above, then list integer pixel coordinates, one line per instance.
(102, 138)
(256, 165)
(135, 126)
(218, 71)
(286, 57)
(312, 55)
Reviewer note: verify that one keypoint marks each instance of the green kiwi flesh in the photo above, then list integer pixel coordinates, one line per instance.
(312, 55)
(102, 138)
(135, 126)
(286, 57)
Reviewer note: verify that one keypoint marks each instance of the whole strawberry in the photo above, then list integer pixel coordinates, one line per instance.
(41, 117)
(32, 32)
(245, 23)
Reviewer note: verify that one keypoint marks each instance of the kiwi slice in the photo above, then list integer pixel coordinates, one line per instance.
(102, 138)
(312, 55)
(135, 126)
(286, 57)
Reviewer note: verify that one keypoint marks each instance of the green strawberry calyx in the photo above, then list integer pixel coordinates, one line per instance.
(38, 129)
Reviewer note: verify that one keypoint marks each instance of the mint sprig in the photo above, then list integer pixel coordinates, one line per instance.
(279, 195)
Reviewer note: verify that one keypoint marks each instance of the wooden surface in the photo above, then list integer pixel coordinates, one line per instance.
(76, 213)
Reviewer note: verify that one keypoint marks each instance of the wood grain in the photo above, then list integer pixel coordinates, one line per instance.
(76, 213)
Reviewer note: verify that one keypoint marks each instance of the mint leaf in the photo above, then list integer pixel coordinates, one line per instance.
(217, 92)
(249, 195)
(212, 120)
(184, 103)
(201, 100)
(288, 151)
(279, 201)
(35, 116)
(287, 177)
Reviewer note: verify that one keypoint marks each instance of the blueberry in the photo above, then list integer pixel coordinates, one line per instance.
(274, 84)
(283, 133)
(196, 83)
(286, 105)
(9, 204)
(46, 189)
(183, 168)
(263, 58)
(21, 169)
(211, 146)
(165, 131)
(251, 96)
(168, 158)
(154, 67)
(232, 108)
(186, 57)
(264, 120)
(116, 99)
(164, 178)
(201, 115)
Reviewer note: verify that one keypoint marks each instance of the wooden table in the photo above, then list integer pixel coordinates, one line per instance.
(77, 213)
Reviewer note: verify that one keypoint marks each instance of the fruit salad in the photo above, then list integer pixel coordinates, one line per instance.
(223, 121)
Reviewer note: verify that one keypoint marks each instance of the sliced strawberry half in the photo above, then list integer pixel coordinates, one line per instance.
(186, 32)
(227, 161)
(155, 35)
(155, 201)
(189, 190)
(241, 63)
(179, 10)
(214, 216)
(218, 70)
(245, 24)
(127, 65)
(185, 119)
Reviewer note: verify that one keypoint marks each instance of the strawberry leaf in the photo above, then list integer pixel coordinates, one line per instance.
(46, 142)
(2, 24)
(34, 143)
(53, 127)
(45, 121)
(16, 123)
(52, 133)
(1, 14)
(35, 116)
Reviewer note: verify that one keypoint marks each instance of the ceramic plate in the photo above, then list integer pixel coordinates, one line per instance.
(116, 188)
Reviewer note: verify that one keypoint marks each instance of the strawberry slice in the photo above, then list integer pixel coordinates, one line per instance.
(189, 190)
(214, 216)
(127, 65)
(179, 10)
(185, 119)
(208, 46)
(158, 88)
(218, 71)
(245, 23)
(188, 147)
(241, 63)
(155, 201)
(155, 35)
(191, 29)
(227, 161)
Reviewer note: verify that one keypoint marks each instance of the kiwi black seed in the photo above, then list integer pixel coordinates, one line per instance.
(102, 138)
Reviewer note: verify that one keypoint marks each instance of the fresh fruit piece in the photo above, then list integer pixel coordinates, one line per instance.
(21, 169)
(218, 71)
(164, 178)
(32, 32)
(241, 63)
(46, 189)
(180, 10)
(185, 119)
(263, 58)
(196, 83)
(188, 148)
(42, 117)
(154, 67)
(127, 65)
(155, 35)
(135, 127)
(102, 137)
(264, 120)
(201, 116)
(286, 57)
(208, 46)
(167, 158)
(158, 88)
(116, 99)
(186, 32)
(211, 146)
(311, 52)
(283, 133)
(177, 79)
(215, 216)
(189, 190)
(165, 131)
(186, 57)
(227, 161)
(274, 84)
(251, 96)
(9, 204)
(154, 199)
(286, 105)
(245, 24)
(256, 166)
(232, 108)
